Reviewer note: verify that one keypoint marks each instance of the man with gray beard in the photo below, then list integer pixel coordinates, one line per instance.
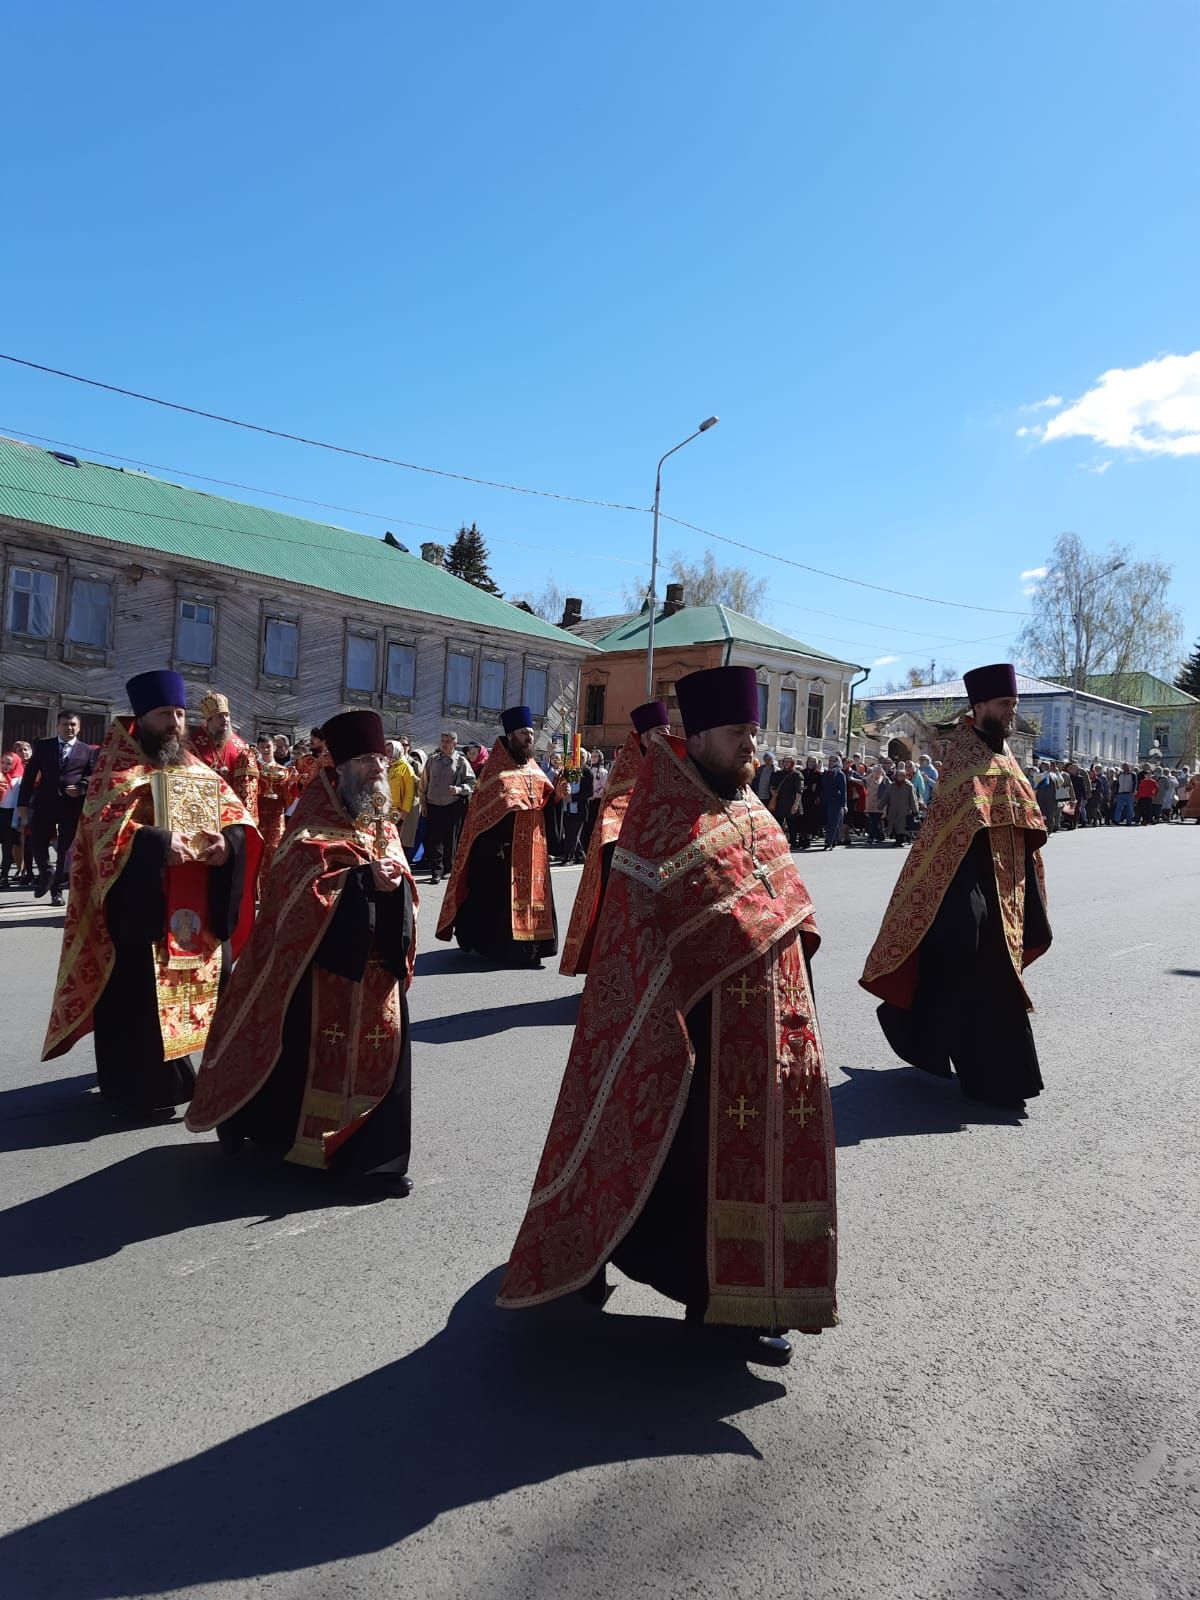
(309, 1054)
(162, 893)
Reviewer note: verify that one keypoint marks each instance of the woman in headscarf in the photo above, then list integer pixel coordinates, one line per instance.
(12, 770)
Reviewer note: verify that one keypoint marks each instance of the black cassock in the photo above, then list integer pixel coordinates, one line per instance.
(130, 1068)
(367, 922)
(484, 922)
(968, 1009)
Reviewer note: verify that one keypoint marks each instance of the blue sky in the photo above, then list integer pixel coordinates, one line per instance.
(539, 243)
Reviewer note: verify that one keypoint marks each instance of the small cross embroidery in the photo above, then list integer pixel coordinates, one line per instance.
(377, 1036)
(804, 1110)
(335, 1033)
(763, 874)
(742, 990)
(742, 1112)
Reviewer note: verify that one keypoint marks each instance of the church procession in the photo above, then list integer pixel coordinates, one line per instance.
(253, 963)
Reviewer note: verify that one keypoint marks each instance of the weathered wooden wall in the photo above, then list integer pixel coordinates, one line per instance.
(148, 588)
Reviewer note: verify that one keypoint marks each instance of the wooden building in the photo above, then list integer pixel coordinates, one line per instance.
(108, 572)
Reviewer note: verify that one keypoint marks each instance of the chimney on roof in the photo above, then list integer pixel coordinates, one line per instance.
(435, 554)
(572, 613)
(674, 600)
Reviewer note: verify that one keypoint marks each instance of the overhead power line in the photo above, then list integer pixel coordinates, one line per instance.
(487, 483)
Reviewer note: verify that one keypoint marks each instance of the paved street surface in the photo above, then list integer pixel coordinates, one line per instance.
(222, 1380)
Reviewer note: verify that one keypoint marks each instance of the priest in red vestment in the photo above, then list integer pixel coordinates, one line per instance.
(968, 913)
(309, 1056)
(162, 879)
(692, 1142)
(216, 744)
(499, 902)
(614, 802)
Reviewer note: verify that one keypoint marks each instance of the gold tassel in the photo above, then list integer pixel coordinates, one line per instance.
(801, 1227)
(785, 1311)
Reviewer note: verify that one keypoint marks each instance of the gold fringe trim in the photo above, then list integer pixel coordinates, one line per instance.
(800, 1227)
(734, 1222)
(784, 1311)
(323, 1103)
(307, 1153)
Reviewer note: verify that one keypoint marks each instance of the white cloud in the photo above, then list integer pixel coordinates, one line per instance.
(1050, 403)
(885, 661)
(1026, 433)
(1034, 572)
(1152, 410)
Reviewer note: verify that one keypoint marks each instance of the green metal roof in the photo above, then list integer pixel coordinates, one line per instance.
(705, 625)
(132, 508)
(1137, 689)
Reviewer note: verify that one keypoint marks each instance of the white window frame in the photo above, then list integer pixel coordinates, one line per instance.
(400, 694)
(456, 653)
(362, 637)
(492, 661)
(19, 568)
(180, 619)
(106, 628)
(274, 618)
(535, 666)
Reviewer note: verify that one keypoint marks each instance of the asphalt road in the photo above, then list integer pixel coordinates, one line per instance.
(227, 1381)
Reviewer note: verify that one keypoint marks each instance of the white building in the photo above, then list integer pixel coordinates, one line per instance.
(1105, 730)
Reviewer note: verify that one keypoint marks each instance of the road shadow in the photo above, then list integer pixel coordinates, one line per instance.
(900, 1102)
(152, 1194)
(38, 1116)
(1184, 972)
(54, 920)
(496, 1401)
(560, 1011)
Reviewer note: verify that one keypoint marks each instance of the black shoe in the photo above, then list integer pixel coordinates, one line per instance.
(42, 888)
(397, 1184)
(771, 1350)
(434, 877)
(56, 897)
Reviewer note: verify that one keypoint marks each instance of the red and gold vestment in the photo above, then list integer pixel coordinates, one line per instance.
(119, 801)
(614, 802)
(703, 902)
(504, 787)
(355, 1027)
(977, 789)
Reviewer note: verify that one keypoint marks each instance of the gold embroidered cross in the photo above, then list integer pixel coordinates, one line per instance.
(335, 1033)
(742, 990)
(377, 1036)
(792, 990)
(804, 1110)
(741, 1111)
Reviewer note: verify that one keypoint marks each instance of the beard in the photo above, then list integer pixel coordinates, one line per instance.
(162, 749)
(357, 794)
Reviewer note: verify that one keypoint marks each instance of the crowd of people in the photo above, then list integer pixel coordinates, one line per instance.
(241, 929)
(1070, 795)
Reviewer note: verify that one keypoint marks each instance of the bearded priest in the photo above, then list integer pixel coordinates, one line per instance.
(499, 902)
(968, 913)
(309, 1056)
(692, 1142)
(162, 877)
(614, 802)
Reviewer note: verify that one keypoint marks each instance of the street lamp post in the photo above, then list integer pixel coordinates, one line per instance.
(1077, 619)
(710, 422)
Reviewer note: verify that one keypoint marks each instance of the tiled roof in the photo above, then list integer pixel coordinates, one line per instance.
(704, 625)
(1138, 689)
(132, 508)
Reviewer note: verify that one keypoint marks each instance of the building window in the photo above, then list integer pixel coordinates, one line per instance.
(537, 682)
(87, 620)
(764, 690)
(197, 627)
(281, 648)
(816, 715)
(593, 709)
(31, 602)
(459, 670)
(787, 710)
(361, 663)
(491, 686)
(401, 671)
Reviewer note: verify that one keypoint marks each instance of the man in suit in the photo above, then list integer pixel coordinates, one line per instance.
(52, 788)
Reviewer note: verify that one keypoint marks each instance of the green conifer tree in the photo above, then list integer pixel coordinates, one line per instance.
(467, 558)
(1189, 676)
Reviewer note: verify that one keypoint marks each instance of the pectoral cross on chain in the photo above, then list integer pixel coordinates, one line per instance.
(763, 873)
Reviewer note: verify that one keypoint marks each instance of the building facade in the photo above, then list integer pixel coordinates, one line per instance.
(1105, 730)
(108, 573)
(804, 696)
(1172, 722)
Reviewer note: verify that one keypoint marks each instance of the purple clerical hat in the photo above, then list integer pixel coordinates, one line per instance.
(718, 696)
(652, 715)
(516, 717)
(149, 690)
(354, 733)
(996, 682)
